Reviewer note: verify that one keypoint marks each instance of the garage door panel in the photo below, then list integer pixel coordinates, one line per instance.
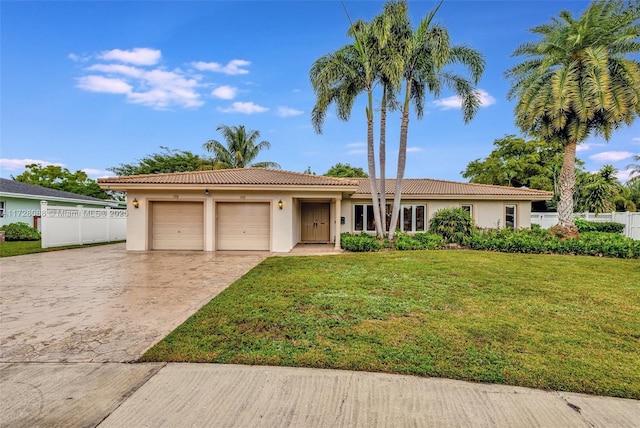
(178, 226)
(243, 226)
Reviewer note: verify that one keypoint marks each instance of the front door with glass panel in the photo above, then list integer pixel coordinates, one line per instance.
(315, 222)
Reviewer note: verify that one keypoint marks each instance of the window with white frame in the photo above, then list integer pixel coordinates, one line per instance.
(510, 216)
(413, 218)
(468, 208)
(1, 208)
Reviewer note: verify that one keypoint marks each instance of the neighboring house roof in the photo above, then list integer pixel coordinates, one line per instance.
(239, 176)
(29, 191)
(441, 189)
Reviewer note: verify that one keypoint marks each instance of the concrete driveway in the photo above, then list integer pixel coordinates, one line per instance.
(102, 304)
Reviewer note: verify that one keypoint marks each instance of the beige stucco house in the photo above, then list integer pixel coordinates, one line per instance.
(274, 210)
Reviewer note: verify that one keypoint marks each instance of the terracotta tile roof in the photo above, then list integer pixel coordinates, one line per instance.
(241, 176)
(430, 187)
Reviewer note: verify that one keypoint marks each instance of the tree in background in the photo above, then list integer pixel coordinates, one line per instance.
(634, 169)
(601, 192)
(59, 178)
(578, 80)
(345, 170)
(166, 161)
(516, 162)
(240, 148)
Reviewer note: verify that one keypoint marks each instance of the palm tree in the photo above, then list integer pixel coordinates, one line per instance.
(634, 169)
(577, 80)
(240, 149)
(339, 77)
(426, 53)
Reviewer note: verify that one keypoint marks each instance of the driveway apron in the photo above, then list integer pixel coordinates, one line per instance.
(103, 304)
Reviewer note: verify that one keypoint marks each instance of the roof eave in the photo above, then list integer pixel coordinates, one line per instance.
(52, 198)
(532, 197)
(229, 187)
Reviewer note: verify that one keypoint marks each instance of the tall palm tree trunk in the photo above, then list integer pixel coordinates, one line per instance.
(402, 160)
(567, 184)
(371, 160)
(383, 160)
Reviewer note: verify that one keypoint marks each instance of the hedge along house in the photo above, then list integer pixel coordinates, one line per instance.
(20, 202)
(274, 210)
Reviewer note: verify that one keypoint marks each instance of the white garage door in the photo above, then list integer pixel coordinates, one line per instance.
(243, 226)
(177, 226)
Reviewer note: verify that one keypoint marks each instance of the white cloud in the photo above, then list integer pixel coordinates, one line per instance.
(137, 56)
(357, 144)
(636, 139)
(108, 85)
(155, 88)
(18, 164)
(455, 102)
(287, 111)
(77, 58)
(357, 151)
(97, 172)
(414, 149)
(611, 156)
(125, 70)
(233, 67)
(245, 108)
(224, 92)
(623, 176)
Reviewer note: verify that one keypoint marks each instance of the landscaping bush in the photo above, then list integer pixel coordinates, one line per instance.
(406, 242)
(20, 232)
(598, 226)
(359, 243)
(430, 241)
(537, 241)
(453, 224)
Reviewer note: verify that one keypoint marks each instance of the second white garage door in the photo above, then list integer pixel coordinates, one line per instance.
(243, 226)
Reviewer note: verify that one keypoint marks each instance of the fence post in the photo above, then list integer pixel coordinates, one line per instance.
(80, 214)
(43, 223)
(108, 212)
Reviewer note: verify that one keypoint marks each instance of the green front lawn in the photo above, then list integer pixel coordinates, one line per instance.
(553, 322)
(19, 248)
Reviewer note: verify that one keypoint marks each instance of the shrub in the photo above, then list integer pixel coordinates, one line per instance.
(20, 232)
(430, 241)
(598, 226)
(453, 224)
(359, 243)
(406, 242)
(534, 241)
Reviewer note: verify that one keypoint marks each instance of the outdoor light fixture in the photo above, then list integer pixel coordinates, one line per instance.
(136, 204)
(280, 204)
(206, 192)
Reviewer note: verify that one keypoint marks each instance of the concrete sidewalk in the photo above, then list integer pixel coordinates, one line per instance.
(204, 395)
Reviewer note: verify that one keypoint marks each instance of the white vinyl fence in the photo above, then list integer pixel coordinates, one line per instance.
(81, 225)
(630, 220)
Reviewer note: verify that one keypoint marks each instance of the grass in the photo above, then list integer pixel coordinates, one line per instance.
(19, 248)
(543, 321)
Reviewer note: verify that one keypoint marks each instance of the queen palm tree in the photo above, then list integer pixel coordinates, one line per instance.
(426, 53)
(578, 80)
(634, 169)
(339, 77)
(240, 148)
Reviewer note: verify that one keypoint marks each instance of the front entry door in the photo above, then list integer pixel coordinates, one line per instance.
(315, 222)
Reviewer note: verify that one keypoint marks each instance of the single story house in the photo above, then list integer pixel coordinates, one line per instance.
(274, 210)
(20, 202)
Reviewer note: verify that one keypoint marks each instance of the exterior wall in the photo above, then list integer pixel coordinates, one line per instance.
(485, 213)
(285, 222)
(24, 210)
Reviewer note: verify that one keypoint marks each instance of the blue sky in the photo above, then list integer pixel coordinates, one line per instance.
(90, 85)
